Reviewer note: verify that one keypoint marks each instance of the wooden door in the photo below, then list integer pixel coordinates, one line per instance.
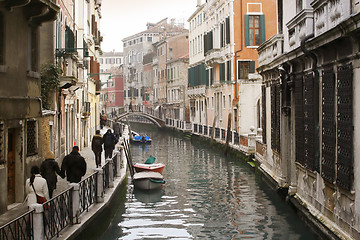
(11, 166)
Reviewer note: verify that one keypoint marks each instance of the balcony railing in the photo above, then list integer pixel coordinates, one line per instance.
(218, 55)
(328, 14)
(271, 49)
(197, 91)
(299, 27)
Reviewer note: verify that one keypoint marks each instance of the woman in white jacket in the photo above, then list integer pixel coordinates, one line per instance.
(39, 184)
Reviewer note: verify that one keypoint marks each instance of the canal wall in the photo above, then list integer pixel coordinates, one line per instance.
(249, 148)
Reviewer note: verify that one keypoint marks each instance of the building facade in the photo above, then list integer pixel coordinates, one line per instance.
(224, 88)
(21, 39)
(310, 138)
(138, 45)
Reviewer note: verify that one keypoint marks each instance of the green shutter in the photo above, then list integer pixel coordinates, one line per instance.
(227, 30)
(189, 77)
(222, 72)
(252, 67)
(228, 70)
(262, 28)
(207, 77)
(246, 30)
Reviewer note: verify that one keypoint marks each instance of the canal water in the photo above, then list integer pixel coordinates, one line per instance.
(206, 196)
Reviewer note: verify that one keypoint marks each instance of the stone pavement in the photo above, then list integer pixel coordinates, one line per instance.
(61, 185)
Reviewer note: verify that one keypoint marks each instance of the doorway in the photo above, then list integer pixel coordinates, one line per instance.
(11, 167)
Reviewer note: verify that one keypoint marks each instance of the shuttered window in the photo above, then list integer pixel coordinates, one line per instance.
(227, 32)
(228, 70)
(222, 72)
(69, 40)
(254, 30)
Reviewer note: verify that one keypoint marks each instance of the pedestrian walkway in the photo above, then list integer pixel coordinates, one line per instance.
(61, 185)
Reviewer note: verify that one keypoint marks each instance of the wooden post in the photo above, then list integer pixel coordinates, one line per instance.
(213, 132)
(228, 133)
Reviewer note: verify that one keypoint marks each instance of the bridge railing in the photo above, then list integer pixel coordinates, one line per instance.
(65, 209)
(19, 228)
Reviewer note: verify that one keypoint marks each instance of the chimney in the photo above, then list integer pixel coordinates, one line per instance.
(198, 3)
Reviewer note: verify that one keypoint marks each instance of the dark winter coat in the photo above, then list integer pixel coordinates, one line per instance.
(117, 129)
(48, 170)
(74, 166)
(109, 140)
(96, 143)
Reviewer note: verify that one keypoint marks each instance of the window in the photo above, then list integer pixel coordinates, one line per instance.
(244, 68)
(254, 30)
(31, 138)
(149, 39)
(101, 61)
(2, 42)
(222, 72)
(228, 70)
(118, 61)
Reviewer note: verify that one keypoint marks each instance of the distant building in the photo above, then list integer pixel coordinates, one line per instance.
(135, 48)
(111, 75)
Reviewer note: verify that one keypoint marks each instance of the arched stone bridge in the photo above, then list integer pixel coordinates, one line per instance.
(157, 121)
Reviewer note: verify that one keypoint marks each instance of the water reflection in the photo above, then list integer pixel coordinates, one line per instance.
(206, 196)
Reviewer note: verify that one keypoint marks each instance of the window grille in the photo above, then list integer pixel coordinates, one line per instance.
(275, 117)
(345, 147)
(328, 126)
(263, 123)
(31, 138)
(309, 122)
(299, 121)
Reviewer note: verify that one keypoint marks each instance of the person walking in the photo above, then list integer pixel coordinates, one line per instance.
(73, 166)
(96, 147)
(109, 143)
(117, 130)
(36, 185)
(48, 170)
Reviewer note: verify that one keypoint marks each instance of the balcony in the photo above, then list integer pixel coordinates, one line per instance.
(37, 11)
(198, 91)
(271, 49)
(217, 55)
(299, 27)
(70, 71)
(328, 14)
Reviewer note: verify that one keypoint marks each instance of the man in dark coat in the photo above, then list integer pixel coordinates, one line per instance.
(109, 143)
(74, 166)
(96, 146)
(117, 130)
(48, 170)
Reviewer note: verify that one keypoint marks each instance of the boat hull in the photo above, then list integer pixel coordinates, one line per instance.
(148, 180)
(155, 167)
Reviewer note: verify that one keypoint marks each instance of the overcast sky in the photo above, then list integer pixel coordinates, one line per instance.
(123, 18)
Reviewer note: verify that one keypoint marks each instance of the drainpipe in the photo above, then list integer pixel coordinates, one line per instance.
(316, 97)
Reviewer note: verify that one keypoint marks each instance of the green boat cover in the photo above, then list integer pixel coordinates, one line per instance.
(150, 160)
